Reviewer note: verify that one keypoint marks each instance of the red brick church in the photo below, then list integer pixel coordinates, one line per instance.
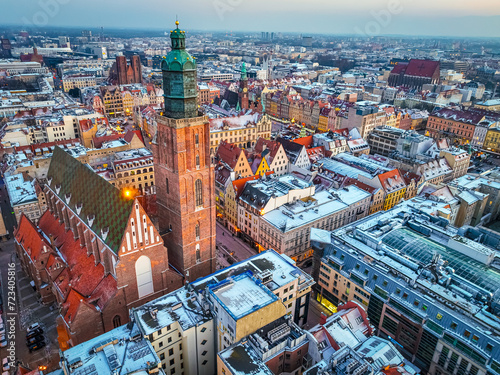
(94, 252)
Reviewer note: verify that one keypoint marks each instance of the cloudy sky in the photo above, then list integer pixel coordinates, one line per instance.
(369, 17)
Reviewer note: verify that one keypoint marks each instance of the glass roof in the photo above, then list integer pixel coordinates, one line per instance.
(422, 249)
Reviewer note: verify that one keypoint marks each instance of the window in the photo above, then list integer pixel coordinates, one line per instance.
(160, 344)
(117, 321)
(170, 339)
(196, 139)
(144, 276)
(167, 187)
(453, 325)
(204, 362)
(171, 362)
(203, 342)
(198, 255)
(204, 353)
(162, 356)
(467, 334)
(203, 330)
(197, 161)
(197, 231)
(198, 185)
(170, 351)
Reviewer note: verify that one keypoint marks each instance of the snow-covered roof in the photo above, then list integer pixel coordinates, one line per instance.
(179, 306)
(122, 350)
(20, 191)
(242, 295)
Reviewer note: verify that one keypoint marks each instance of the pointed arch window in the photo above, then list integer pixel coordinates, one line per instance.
(198, 188)
(117, 321)
(144, 276)
(197, 161)
(197, 231)
(197, 139)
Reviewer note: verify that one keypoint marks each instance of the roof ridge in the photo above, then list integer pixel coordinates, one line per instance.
(76, 183)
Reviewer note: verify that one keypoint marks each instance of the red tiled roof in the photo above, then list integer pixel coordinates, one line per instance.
(130, 134)
(421, 68)
(399, 68)
(31, 240)
(351, 181)
(84, 275)
(98, 141)
(391, 181)
(305, 141)
(228, 153)
(272, 146)
(71, 305)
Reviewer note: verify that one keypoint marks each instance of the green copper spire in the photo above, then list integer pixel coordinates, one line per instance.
(243, 71)
(179, 78)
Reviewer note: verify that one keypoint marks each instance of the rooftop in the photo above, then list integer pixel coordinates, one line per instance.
(278, 269)
(20, 191)
(179, 306)
(120, 351)
(241, 295)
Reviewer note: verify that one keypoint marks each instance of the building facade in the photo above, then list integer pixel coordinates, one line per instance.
(184, 174)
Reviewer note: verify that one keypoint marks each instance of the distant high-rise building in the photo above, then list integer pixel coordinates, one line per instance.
(64, 42)
(307, 41)
(185, 186)
(5, 48)
(86, 33)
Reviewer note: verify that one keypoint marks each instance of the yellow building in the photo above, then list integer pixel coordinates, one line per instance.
(392, 185)
(234, 158)
(243, 305)
(492, 139)
(244, 131)
(489, 105)
(262, 168)
(323, 123)
(78, 81)
(335, 288)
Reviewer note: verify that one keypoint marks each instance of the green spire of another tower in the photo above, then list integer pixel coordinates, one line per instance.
(243, 71)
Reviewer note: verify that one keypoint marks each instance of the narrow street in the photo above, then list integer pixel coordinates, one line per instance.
(231, 249)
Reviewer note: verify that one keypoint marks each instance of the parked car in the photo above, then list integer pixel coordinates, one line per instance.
(34, 326)
(5, 365)
(36, 346)
(34, 333)
(34, 340)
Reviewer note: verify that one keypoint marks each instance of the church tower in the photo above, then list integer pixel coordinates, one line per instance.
(243, 91)
(185, 178)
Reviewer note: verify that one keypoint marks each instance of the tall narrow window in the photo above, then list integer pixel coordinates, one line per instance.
(144, 276)
(117, 321)
(197, 231)
(196, 139)
(198, 193)
(198, 255)
(197, 161)
(166, 184)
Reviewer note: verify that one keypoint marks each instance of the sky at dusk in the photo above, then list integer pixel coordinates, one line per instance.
(362, 17)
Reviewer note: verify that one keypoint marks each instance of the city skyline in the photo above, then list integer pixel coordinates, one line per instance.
(395, 17)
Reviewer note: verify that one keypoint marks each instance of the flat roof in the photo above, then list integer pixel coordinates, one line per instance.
(241, 295)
